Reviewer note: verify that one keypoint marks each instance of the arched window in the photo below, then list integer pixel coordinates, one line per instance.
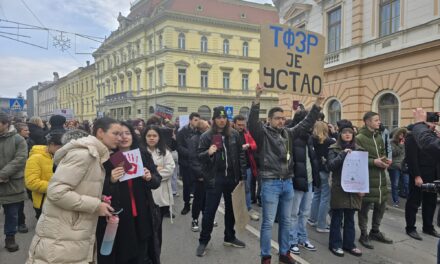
(181, 41)
(334, 111)
(225, 46)
(244, 111)
(204, 44)
(204, 112)
(388, 107)
(245, 49)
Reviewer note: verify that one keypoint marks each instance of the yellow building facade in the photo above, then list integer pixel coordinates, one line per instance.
(77, 91)
(162, 54)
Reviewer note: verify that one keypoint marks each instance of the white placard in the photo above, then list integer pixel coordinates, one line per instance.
(183, 121)
(137, 166)
(354, 178)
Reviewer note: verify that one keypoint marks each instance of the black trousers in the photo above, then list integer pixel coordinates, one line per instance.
(223, 185)
(254, 189)
(199, 199)
(186, 173)
(429, 203)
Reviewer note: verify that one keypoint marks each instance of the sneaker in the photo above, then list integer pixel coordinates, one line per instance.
(379, 236)
(366, 242)
(307, 245)
(311, 223)
(287, 259)
(195, 225)
(215, 224)
(234, 243)
(23, 228)
(294, 249)
(337, 251)
(414, 234)
(266, 259)
(201, 250)
(176, 194)
(396, 205)
(432, 233)
(254, 215)
(323, 230)
(186, 209)
(191, 196)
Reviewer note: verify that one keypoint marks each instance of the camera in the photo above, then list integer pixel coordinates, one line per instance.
(431, 187)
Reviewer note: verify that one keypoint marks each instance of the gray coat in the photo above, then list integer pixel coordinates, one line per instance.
(274, 145)
(13, 155)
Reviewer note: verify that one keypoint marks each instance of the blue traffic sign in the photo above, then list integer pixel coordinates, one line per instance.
(16, 104)
(229, 112)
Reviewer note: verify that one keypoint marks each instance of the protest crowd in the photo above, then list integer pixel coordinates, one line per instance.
(85, 179)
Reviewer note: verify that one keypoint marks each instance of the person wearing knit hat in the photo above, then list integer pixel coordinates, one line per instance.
(223, 166)
(73, 134)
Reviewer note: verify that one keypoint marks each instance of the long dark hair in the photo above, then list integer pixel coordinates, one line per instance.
(161, 146)
(345, 145)
(227, 131)
(103, 123)
(135, 142)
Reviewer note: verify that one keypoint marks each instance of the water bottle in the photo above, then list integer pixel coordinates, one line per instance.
(109, 235)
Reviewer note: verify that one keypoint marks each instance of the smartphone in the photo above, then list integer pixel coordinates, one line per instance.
(119, 160)
(217, 140)
(295, 105)
(432, 117)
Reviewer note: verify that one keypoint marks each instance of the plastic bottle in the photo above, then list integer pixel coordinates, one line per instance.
(109, 235)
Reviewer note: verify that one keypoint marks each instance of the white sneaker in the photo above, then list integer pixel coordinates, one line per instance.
(254, 215)
(323, 230)
(311, 223)
(195, 225)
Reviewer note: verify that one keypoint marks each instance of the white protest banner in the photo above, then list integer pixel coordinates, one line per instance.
(183, 121)
(291, 60)
(137, 166)
(354, 178)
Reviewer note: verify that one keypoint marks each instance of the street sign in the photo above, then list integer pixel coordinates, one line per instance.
(229, 112)
(16, 104)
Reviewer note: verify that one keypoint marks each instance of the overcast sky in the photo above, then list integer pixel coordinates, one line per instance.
(23, 65)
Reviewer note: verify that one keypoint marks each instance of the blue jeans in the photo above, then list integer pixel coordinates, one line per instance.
(335, 239)
(300, 212)
(248, 188)
(321, 202)
(395, 176)
(276, 194)
(11, 218)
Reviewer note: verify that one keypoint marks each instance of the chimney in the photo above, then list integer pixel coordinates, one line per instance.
(56, 77)
(88, 63)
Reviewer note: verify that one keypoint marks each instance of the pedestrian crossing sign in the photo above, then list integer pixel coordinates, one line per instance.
(16, 104)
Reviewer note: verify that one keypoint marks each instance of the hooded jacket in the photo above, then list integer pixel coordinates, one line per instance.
(373, 143)
(38, 171)
(274, 146)
(398, 150)
(65, 232)
(13, 154)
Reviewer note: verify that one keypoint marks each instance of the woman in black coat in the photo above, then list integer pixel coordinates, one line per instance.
(137, 238)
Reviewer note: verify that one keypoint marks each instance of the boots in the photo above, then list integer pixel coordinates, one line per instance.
(10, 244)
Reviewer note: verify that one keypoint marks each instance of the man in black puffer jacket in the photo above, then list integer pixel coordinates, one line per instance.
(223, 165)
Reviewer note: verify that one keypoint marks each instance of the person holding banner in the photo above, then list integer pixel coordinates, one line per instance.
(137, 235)
(276, 170)
(343, 204)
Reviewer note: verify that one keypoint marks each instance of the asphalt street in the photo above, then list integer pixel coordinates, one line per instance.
(180, 243)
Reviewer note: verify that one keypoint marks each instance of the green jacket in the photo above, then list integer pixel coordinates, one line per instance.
(373, 143)
(340, 199)
(13, 154)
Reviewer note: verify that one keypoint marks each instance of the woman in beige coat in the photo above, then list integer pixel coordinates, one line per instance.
(65, 232)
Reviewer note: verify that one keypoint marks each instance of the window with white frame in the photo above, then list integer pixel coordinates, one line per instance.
(388, 108)
(334, 111)
(334, 30)
(226, 80)
(181, 41)
(226, 46)
(204, 44)
(182, 77)
(204, 79)
(245, 49)
(245, 82)
(389, 16)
